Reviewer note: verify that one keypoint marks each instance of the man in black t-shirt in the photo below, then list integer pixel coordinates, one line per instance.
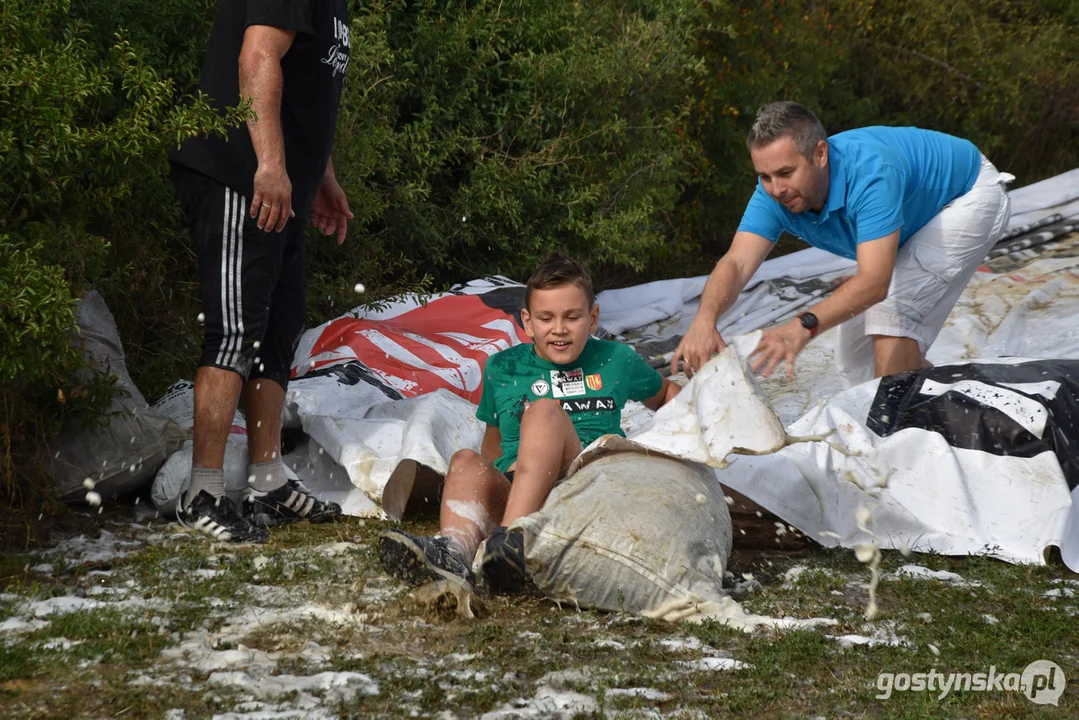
(246, 200)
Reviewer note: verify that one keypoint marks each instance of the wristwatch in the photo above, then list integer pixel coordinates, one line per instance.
(809, 322)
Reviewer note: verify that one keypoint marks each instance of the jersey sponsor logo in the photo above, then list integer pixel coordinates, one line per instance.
(594, 382)
(567, 383)
(540, 387)
(592, 404)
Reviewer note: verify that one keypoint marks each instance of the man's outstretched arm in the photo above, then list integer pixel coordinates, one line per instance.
(730, 276)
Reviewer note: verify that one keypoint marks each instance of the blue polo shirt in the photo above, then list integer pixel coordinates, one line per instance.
(882, 178)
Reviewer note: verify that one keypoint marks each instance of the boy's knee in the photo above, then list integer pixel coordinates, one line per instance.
(545, 410)
(465, 456)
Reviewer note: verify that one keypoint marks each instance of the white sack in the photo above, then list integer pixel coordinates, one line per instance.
(630, 531)
(123, 454)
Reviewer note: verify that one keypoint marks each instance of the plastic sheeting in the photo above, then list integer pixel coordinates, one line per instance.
(386, 397)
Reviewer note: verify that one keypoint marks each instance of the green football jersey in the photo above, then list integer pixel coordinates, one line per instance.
(592, 390)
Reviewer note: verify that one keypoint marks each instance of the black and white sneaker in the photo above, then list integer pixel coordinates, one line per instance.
(504, 562)
(288, 504)
(415, 559)
(219, 518)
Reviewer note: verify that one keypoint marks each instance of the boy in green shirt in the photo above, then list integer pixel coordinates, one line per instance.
(543, 402)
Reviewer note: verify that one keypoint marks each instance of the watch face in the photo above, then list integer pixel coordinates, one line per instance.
(809, 320)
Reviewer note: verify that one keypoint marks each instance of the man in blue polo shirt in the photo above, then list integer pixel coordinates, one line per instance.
(917, 209)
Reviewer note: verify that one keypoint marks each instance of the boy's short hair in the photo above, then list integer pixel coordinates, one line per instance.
(557, 270)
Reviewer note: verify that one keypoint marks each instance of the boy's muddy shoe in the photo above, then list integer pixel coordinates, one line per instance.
(504, 562)
(416, 559)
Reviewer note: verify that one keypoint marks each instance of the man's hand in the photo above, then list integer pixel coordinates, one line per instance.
(330, 213)
(699, 344)
(780, 343)
(272, 199)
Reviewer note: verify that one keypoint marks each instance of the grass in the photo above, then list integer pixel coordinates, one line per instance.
(307, 604)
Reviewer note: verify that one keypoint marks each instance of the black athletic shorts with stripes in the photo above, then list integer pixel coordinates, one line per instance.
(253, 283)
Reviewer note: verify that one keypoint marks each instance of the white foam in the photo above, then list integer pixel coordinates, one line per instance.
(474, 512)
(917, 572)
(882, 635)
(80, 549)
(546, 703)
(458, 657)
(682, 644)
(18, 625)
(311, 714)
(335, 687)
(707, 664)
(646, 693)
(60, 643)
(1059, 592)
(337, 548)
(609, 643)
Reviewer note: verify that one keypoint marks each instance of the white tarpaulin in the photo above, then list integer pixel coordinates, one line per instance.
(386, 398)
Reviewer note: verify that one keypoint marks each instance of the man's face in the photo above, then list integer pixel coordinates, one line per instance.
(559, 321)
(800, 183)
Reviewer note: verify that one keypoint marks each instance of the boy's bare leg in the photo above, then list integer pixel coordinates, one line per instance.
(473, 499)
(549, 443)
(896, 354)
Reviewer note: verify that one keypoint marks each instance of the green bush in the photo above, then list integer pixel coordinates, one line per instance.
(81, 127)
(477, 136)
(1000, 73)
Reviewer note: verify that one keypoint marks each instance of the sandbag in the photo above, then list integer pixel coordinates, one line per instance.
(178, 403)
(122, 455)
(631, 531)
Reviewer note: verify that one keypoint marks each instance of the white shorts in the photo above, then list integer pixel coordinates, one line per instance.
(931, 271)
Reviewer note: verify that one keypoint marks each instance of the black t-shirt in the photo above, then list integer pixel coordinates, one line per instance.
(313, 70)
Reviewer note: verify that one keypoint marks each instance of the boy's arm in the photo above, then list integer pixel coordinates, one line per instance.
(665, 395)
(491, 448)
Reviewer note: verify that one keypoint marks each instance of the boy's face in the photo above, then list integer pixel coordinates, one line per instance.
(559, 321)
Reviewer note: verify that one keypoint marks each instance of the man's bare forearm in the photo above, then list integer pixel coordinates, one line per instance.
(720, 292)
(261, 80)
(849, 300)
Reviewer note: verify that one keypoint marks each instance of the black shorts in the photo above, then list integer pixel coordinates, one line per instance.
(509, 475)
(252, 282)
